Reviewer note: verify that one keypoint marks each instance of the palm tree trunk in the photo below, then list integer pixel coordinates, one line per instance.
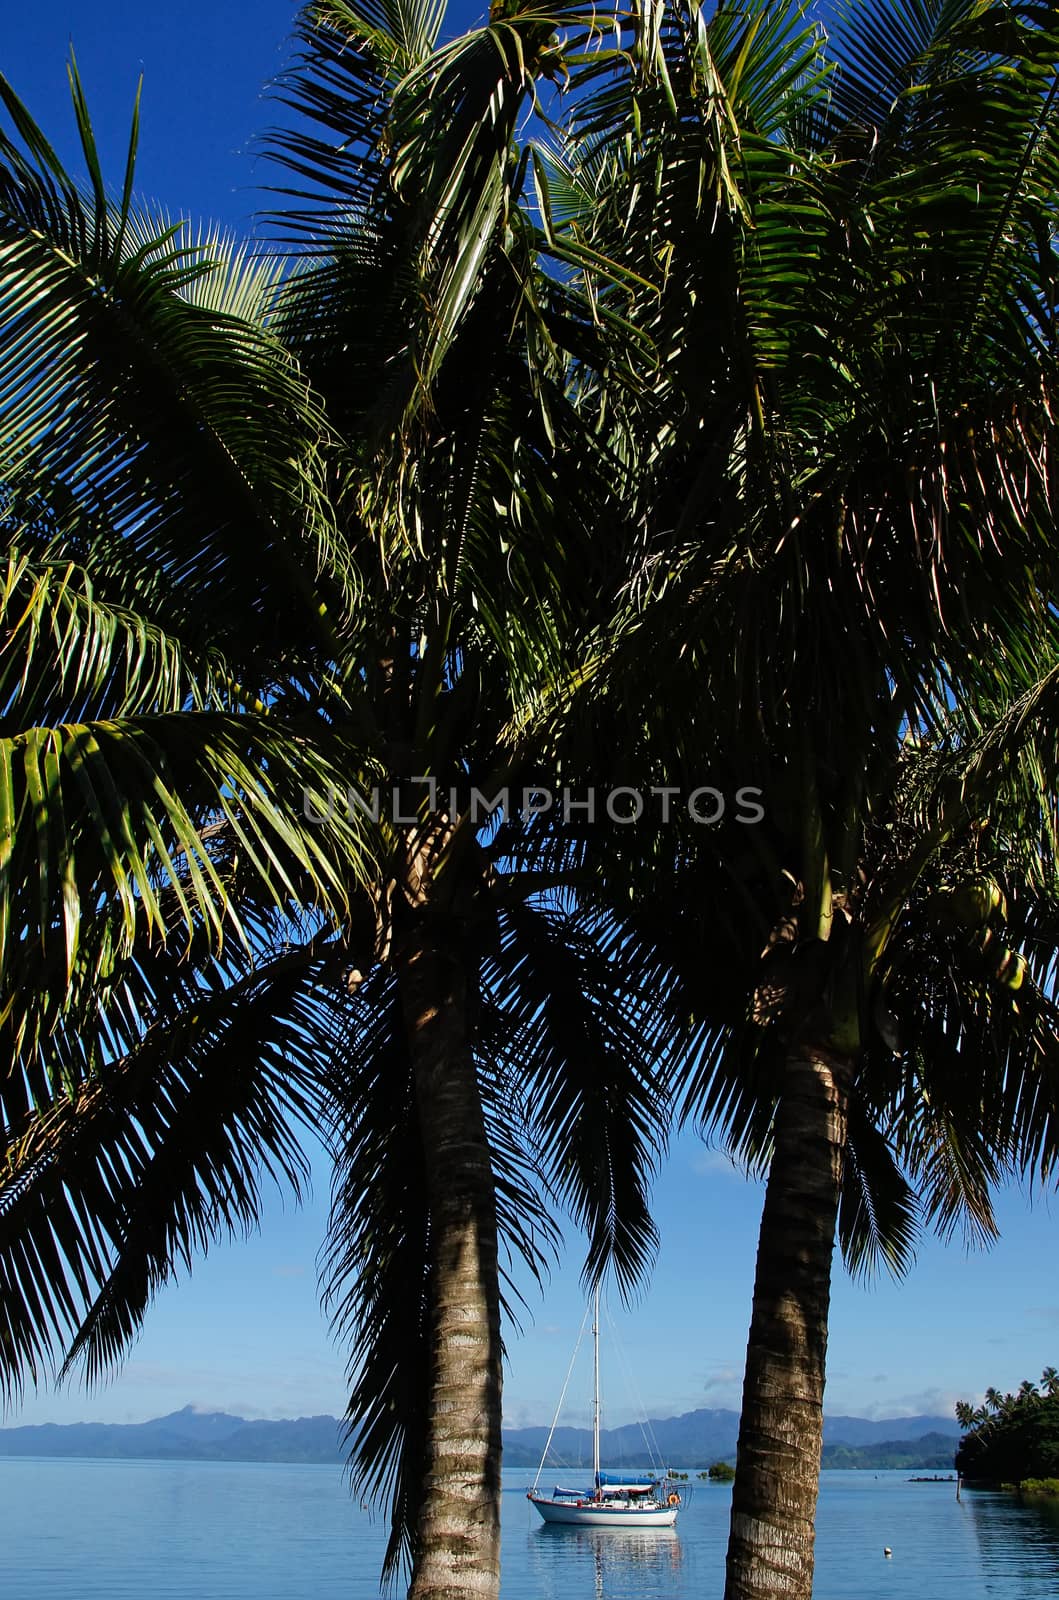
(770, 1547)
(457, 1543)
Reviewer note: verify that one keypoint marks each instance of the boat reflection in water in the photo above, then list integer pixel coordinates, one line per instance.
(624, 1563)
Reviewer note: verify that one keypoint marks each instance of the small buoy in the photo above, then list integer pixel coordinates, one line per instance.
(886, 1550)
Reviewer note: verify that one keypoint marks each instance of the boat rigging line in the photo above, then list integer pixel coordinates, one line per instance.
(562, 1397)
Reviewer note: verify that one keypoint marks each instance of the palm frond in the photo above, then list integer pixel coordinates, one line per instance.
(146, 421)
(70, 657)
(135, 1165)
(116, 825)
(590, 1047)
(376, 1268)
(878, 1218)
(376, 1272)
(884, 52)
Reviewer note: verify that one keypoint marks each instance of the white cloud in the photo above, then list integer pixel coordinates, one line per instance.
(708, 1163)
(724, 1377)
(932, 1402)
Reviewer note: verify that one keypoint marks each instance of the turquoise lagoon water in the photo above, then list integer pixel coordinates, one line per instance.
(182, 1530)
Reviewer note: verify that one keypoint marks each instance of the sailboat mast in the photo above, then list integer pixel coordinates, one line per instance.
(595, 1373)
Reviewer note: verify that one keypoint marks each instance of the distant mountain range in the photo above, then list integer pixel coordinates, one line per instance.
(693, 1440)
(186, 1435)
(698, 1438)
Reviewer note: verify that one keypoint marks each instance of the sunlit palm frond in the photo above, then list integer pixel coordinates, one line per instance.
(70, 657)
(149, 424)
(117, 823)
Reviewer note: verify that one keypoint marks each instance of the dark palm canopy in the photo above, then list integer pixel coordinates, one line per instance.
(1012, 1437)
(842, 448)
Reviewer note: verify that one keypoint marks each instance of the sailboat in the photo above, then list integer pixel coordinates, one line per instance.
(616, 1499)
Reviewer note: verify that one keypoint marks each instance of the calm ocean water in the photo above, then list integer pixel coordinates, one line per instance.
(209, 1531)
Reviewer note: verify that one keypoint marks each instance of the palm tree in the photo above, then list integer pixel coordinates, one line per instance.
(843, 449)
(373, 449)
(459, 428)
(158, 447)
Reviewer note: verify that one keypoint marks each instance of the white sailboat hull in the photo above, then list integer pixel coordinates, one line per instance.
(604, 1516)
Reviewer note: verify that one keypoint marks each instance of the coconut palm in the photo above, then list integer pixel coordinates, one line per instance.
(462, 439)
(157, 441)
(375, 441)
(843, 455)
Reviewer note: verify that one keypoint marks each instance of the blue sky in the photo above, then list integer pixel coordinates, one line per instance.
(245, 1333)
(205, 68)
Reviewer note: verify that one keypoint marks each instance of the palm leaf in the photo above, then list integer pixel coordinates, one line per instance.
(138, 1164)
(878, 1218)
(593, 1095)
(161, 425)
(376, 1269)
(116, 824)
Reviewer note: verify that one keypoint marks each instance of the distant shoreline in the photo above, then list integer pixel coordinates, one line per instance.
(340, 1462)
(691, 1442)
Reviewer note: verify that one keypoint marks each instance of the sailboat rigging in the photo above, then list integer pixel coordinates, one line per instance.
(616, 1499)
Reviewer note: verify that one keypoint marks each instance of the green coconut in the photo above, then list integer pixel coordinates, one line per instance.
(973, 902)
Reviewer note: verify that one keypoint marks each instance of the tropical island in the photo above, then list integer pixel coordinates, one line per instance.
(1012, 1440)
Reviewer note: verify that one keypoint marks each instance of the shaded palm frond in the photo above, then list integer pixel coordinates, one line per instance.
(377, 1268)
(878, 1218)
(593, 1086)
(137, 1164)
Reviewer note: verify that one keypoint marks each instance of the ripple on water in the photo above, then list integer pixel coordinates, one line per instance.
(118, 1530)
